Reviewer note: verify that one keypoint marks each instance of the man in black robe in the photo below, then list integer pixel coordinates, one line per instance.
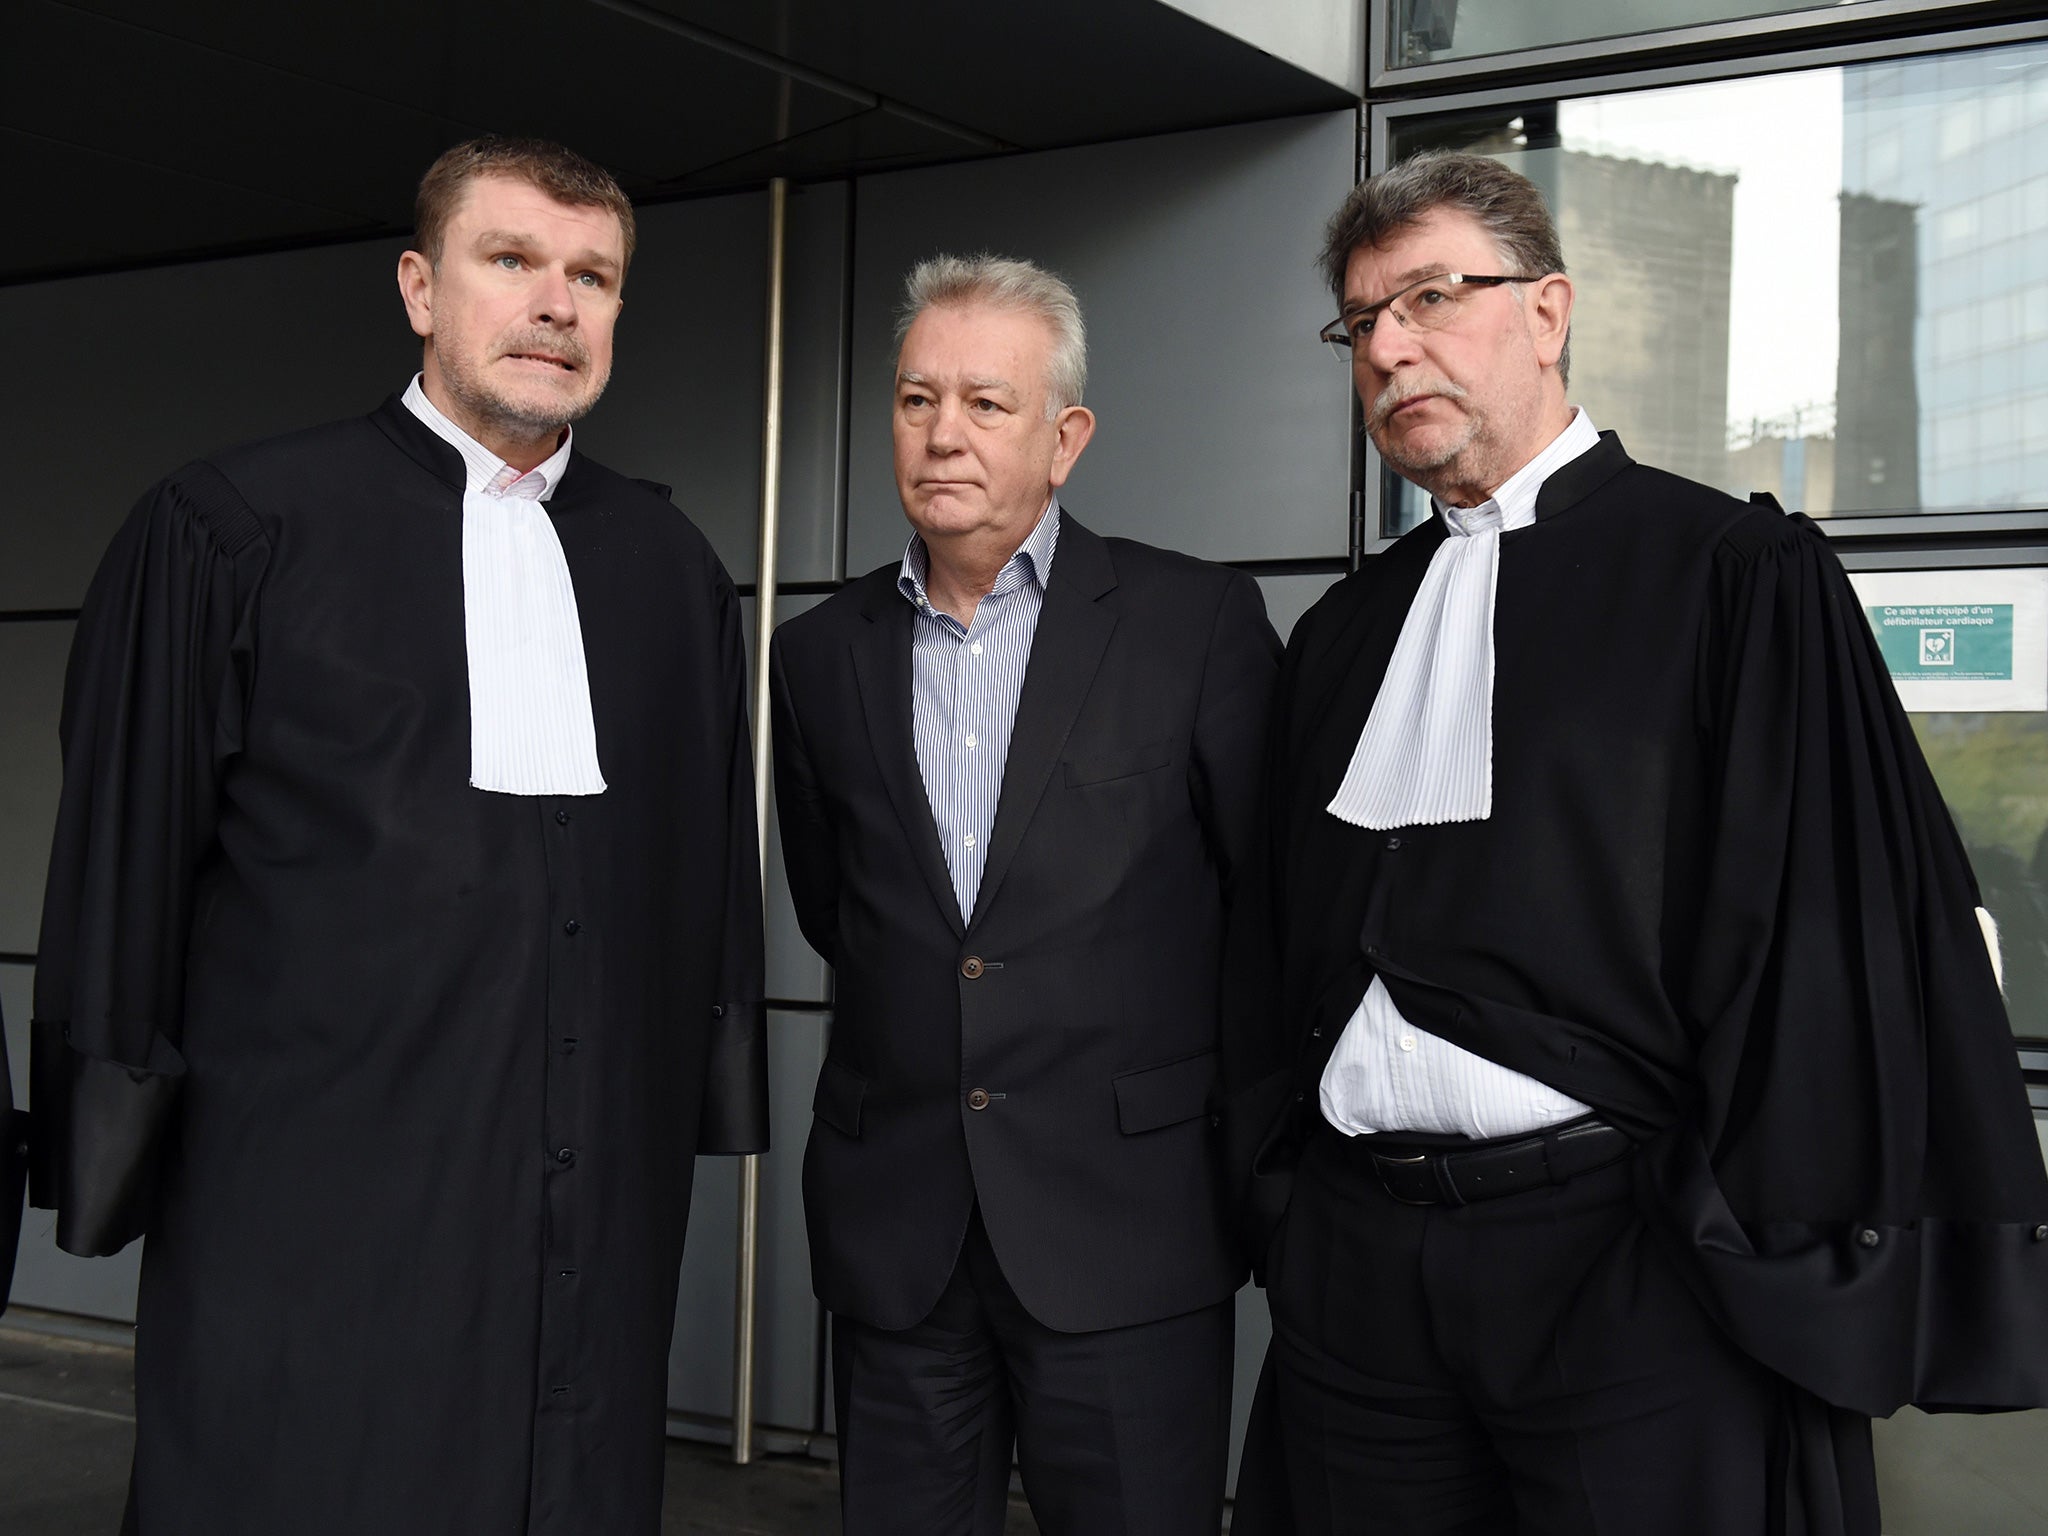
(1642, 1115)
(402, 942)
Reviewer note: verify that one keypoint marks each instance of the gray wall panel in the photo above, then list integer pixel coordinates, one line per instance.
(1289, 597)
(140, 372)
(1221, 430)
(684, 407)
(787, 1365)
(32, 659)
(46, 1276)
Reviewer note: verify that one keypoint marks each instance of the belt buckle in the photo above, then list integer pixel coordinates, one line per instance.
(1420, 1158)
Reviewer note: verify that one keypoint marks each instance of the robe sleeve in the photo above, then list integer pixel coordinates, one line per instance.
(154, 701)
(734, 1118)
(1858, 1188)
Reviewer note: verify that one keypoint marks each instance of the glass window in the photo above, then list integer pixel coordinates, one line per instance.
(1993, 772)
(1429, 31)
(1827, 284)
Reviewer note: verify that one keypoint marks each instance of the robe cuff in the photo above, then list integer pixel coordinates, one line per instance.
(99, 1125)
(735, 1114)
(1868, 1315)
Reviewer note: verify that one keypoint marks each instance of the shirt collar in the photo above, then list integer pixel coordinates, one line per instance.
(1031, 562)
(484, 470)
(1514, 504)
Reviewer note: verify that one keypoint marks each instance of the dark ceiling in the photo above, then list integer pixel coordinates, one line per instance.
(134, 131)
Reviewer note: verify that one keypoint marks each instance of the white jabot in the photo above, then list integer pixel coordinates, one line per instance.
(1425, 758)
(530, 725)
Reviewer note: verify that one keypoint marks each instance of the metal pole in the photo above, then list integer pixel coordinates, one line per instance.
(764, 626)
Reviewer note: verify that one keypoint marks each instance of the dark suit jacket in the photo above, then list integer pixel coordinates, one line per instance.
(1082, 997)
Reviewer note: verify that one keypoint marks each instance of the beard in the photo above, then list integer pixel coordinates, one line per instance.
(527, 412)
(1421, 461)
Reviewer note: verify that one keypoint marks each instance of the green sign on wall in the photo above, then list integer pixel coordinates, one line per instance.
(1945, 642)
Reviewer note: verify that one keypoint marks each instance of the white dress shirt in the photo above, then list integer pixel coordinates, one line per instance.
(530, 725)
(1425, 758)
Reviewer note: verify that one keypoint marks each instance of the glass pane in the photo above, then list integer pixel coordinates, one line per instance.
(1428, 31)
(1831, 285)
(1993, 771)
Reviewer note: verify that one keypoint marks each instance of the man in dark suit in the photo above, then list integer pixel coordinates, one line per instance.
(1642, 1089)
(1017, 776)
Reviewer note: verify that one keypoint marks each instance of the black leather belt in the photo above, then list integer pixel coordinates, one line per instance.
(1487, 1170)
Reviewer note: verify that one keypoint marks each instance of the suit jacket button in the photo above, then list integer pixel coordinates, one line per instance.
(978, 1099)
(2041, 1233)
(971, 968)
(1869, 1237)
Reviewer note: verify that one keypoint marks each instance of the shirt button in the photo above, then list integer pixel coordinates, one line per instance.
(562, 818)
(968, 840)
(971, 967)
(975, 648)
(1407, 1042)
(970, 738)
(978, 1099)
(566, 1156)
(572, 927)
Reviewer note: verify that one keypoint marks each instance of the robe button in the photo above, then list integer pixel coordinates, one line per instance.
(566, 1156)
(971, 967)
(562, 818)
(1393, 844)
(2041, 1233)
(1869, 1237)
(978, 1099)
(572, 927)
(718, 1010)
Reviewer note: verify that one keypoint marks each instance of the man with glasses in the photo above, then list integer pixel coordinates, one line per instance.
(1640, 1115)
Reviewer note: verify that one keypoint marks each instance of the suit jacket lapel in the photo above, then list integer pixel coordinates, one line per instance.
(1073, 632)
(881, 663)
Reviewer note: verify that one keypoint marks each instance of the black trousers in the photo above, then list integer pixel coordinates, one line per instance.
(1122, 1432)
(1527, 1366)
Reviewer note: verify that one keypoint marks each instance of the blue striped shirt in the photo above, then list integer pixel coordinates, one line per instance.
(964, 684)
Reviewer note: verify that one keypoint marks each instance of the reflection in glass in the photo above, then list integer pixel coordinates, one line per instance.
(1427, 31)
(1993, 772)
(1831, 285)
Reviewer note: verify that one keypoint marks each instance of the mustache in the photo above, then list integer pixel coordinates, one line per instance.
(1400, 391)
(567, 347)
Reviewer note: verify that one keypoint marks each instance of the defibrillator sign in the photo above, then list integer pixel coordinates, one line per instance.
(1961, 640)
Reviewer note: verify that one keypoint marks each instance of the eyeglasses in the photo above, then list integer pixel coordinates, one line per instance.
(1427, 304)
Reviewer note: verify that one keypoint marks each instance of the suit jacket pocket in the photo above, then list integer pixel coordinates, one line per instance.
(838, 1099)
(1153, 1097)
(1099, 767)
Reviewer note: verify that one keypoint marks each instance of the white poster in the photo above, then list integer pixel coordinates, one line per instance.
(1965, 641)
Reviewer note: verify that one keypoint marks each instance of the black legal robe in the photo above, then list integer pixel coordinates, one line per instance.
(1720, 899)
(402, 1079)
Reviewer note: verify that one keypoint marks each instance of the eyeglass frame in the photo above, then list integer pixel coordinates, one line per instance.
(1338, 332)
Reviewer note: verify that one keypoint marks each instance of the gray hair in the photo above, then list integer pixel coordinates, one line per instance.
(1002, 282)
(1506, 204)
